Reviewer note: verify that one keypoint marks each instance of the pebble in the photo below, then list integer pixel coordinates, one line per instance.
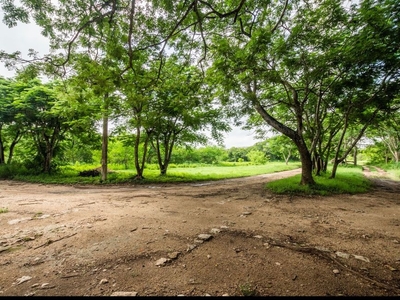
(23, 279)
(162, 261)
(124, 294)
(204, 236)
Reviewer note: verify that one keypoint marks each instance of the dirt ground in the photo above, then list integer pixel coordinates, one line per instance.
(225, 238)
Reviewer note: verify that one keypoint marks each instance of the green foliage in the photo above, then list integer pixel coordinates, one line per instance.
(257, 157)
(3, 210)
(374, 154)
(319, 74)
(237, 154)
(247, 289)
(9, 171)
(350, 180)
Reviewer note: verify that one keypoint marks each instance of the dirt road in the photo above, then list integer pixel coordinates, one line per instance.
(229, 237)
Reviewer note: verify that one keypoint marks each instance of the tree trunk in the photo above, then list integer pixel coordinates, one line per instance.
(287, 157)
(48, 158)
(1, 153)
(139, 165)
(306, 165)
(104, 149)
(355, 155)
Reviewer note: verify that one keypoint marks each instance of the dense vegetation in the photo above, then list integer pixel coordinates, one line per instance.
(137, 84)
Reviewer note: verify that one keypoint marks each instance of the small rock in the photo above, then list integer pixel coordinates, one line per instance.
(359, 257)
(191, 247)
(215, 230)
(342, 255)
(103, 281)
(162, 261)
(133, 229)
(23, 279)
(246, 213)
(225, 295)
(208, 256)
(258, 236)
(173, 255)
(124, 294)
(204, 236)
(390, 268)
(336, 271)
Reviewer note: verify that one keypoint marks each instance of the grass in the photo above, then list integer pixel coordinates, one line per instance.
(3, 210)
(247, 290)
(69, 175)
(348, 180)
(209, 173)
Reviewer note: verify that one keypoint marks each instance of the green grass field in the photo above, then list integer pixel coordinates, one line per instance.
(349, 179)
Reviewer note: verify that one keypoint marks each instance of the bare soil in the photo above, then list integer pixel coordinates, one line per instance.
(231, 237)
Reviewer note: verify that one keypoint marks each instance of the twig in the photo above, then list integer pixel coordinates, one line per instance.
(53, 241)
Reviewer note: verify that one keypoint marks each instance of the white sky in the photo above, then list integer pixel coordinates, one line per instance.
(27, 36)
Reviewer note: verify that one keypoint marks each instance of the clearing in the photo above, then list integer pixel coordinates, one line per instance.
(229, 237)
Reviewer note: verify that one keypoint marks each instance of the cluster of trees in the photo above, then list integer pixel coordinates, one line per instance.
(320, 73)
(272, 149)
(41, 129)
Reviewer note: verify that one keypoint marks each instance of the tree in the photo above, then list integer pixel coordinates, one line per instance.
(301, 74)
(282, 147)
(371, 84)
(182, 108)
(387, 134)
(44, 125)
(11, 130)
(236, 154)
(311, 71)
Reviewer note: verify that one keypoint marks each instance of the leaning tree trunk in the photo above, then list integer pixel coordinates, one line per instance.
(305, 155)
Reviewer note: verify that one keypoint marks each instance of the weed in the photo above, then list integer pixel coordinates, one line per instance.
(247, 289)
(37, 215)
(3, 210)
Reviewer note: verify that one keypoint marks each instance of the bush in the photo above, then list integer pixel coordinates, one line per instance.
(9, 171)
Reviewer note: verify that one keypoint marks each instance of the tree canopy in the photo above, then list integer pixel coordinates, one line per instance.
(320, 73)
